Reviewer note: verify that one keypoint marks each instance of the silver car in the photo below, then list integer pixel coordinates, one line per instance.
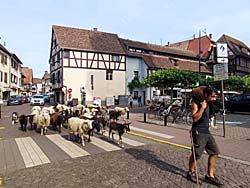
(37, 100)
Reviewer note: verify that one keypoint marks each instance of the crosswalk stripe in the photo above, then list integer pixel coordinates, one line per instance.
(126, 140)
(67, 146)
(31, 153)
(104, 144)
(151, 132)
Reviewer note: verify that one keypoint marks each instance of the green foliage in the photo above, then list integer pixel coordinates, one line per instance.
(171, 77)
(233, 83)
(135, 83)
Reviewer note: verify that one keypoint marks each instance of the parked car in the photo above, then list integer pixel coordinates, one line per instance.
(28, 98)
(24, 99)
(239, 103)
(37, 100)
(14, 100)
(46, 98)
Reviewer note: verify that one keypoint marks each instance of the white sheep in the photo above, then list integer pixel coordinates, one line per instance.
(122, 110)
(44, 121)
(79, 126)
(36, 108)
(34, 116)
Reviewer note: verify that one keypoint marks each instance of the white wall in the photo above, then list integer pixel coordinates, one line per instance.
(136, 64)
(75, 78)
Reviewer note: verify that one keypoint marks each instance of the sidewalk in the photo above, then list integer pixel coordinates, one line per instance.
(235, 146)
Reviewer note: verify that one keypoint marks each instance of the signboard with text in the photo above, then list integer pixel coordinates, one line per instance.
(220, 71)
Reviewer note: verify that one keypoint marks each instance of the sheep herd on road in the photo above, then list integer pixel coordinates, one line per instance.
(81, 121)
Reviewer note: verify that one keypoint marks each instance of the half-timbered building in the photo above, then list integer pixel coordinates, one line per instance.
(238, 56)
(85, 64)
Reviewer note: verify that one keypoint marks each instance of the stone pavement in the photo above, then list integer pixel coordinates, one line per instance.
(152, 165)
(234, 145)
(156, 165)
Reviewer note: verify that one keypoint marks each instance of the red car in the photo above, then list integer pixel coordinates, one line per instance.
(24, 100)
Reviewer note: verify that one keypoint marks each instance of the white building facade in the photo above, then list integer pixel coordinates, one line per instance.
(10, 74)
(85, 71)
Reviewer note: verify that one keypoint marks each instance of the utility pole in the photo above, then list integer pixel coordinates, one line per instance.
(199, 52)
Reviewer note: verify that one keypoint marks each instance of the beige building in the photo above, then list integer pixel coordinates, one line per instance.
(46, 84)
(86, 64)
(10, 74)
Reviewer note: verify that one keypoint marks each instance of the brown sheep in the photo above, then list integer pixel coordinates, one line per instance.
(197, 94)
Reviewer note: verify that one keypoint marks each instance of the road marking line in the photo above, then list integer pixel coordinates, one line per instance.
(31, 153)
(2, 128)
(1, 138)
(151, 132)
(126, 140)
(188, 147)
(67, 146)
(104, 145)
(1, 181)
(230, 122)
(159, 140)
(235, 160)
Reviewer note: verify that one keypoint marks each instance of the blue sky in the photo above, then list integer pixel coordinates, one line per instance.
(25, 25)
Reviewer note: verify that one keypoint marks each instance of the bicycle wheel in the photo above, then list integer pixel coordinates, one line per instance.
(189, 118)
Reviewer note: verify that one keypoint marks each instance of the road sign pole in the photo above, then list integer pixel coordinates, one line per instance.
(223, 107)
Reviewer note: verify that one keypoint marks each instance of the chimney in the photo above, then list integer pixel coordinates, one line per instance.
(210, 35)
(95, 29)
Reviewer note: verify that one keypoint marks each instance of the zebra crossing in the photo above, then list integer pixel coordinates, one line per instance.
(25, 152)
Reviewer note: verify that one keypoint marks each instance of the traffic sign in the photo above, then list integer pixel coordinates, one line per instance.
(222, 60)
(222, 50)
(69, 90)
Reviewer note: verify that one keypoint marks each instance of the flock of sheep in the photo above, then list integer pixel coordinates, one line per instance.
(80, 120)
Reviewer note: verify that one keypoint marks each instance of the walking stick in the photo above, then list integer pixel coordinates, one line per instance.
(195, 162)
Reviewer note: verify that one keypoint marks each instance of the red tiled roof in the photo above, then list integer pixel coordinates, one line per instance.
(27, 72)
(74, 38)
(193, 45)
(155, 61)
(37, 80)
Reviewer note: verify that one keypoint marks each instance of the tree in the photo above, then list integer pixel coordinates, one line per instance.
(233, 83)
(171, 78)
(246, 84)
(135, 83)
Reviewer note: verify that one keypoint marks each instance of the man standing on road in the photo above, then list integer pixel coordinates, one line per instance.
(202, 138)
(139, 101)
